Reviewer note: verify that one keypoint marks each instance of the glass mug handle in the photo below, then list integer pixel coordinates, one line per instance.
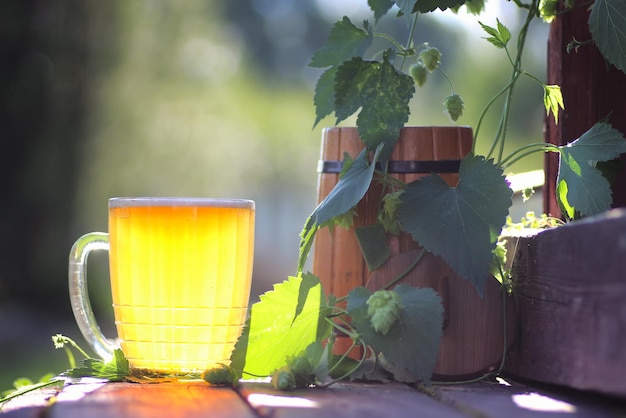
(79, 296)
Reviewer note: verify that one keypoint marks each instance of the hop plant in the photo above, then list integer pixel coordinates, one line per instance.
(221, 375)
(431, 58)
(454, 106)
(419, 73)
(388, 216)
(383, 309)
(548, 10)
(284, 379)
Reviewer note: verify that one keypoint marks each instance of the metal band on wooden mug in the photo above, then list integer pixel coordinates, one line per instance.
(398, 167)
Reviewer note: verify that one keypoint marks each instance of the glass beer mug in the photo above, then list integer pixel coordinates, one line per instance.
(180, 271)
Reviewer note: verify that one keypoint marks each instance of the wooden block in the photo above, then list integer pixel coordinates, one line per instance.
(570, 285)
(346, 400)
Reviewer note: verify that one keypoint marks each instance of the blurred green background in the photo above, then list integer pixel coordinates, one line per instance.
(184, 98)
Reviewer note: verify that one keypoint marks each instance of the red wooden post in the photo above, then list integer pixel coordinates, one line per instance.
(592, 90)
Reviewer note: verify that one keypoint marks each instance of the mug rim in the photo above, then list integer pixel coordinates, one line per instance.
(117, 202)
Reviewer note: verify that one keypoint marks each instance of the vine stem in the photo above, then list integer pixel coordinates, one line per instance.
(343, 357)
(521, 41)
(525, 151)
(391, 39)
(500, 137)
(409, 41)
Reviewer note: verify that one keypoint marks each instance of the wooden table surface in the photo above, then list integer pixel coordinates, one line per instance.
(253, 400)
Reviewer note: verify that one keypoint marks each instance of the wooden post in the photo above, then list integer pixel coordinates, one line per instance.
(592, 90)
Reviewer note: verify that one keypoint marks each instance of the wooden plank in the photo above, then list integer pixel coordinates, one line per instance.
(570, 284)
(515, 400)
(346, 400)
(29, 405)
(172, 400)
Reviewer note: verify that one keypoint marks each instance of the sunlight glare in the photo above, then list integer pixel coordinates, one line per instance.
(259, 400)
(536, 402)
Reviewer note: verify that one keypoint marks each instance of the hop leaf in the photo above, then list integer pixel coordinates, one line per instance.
(454, 106)
(499, 37)
(383, 309)
(553, 100)
(419, 73)
(431, 58)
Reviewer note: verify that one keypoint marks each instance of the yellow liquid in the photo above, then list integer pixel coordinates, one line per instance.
(180, 280)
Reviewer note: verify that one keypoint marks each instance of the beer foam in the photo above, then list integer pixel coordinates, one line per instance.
(121, 202)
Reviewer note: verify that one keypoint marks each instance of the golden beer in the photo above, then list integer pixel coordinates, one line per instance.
(180, 279)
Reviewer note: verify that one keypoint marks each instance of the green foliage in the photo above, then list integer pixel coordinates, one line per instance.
(275, 332)
(380, 7)
(388, 216)
(424, 6)
(498, 262)
(412, 342)
(459, 223)
(553, 100)
(548, 10)
(349, 190)
(383, 309)
(24, 385)
(419, 72)
(499, 37)
(115, 370)
(606, 23)
(222, 375)
(431, 57)
(380, 91)
(279, 343)
(283, 379)
(373, 243)
(454, 106)
(581, 188)
(532, 221)
(345, 41)
(475, 7)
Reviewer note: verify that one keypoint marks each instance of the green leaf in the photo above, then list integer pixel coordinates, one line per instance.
(274, 333)
(580, 185)
(22, 390)
(240, 351)
(380, 7)
(22, 382)
(475, 7)
(412, 342)
(499, 37)
(425, 6)
(407, 7)
(324, 97)
(309, 281)
(344, 42)
(553, 100)
(348, 191)
(380, 91)
(115, 370)
(373, 243)
(607, 23)
(460, 224)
